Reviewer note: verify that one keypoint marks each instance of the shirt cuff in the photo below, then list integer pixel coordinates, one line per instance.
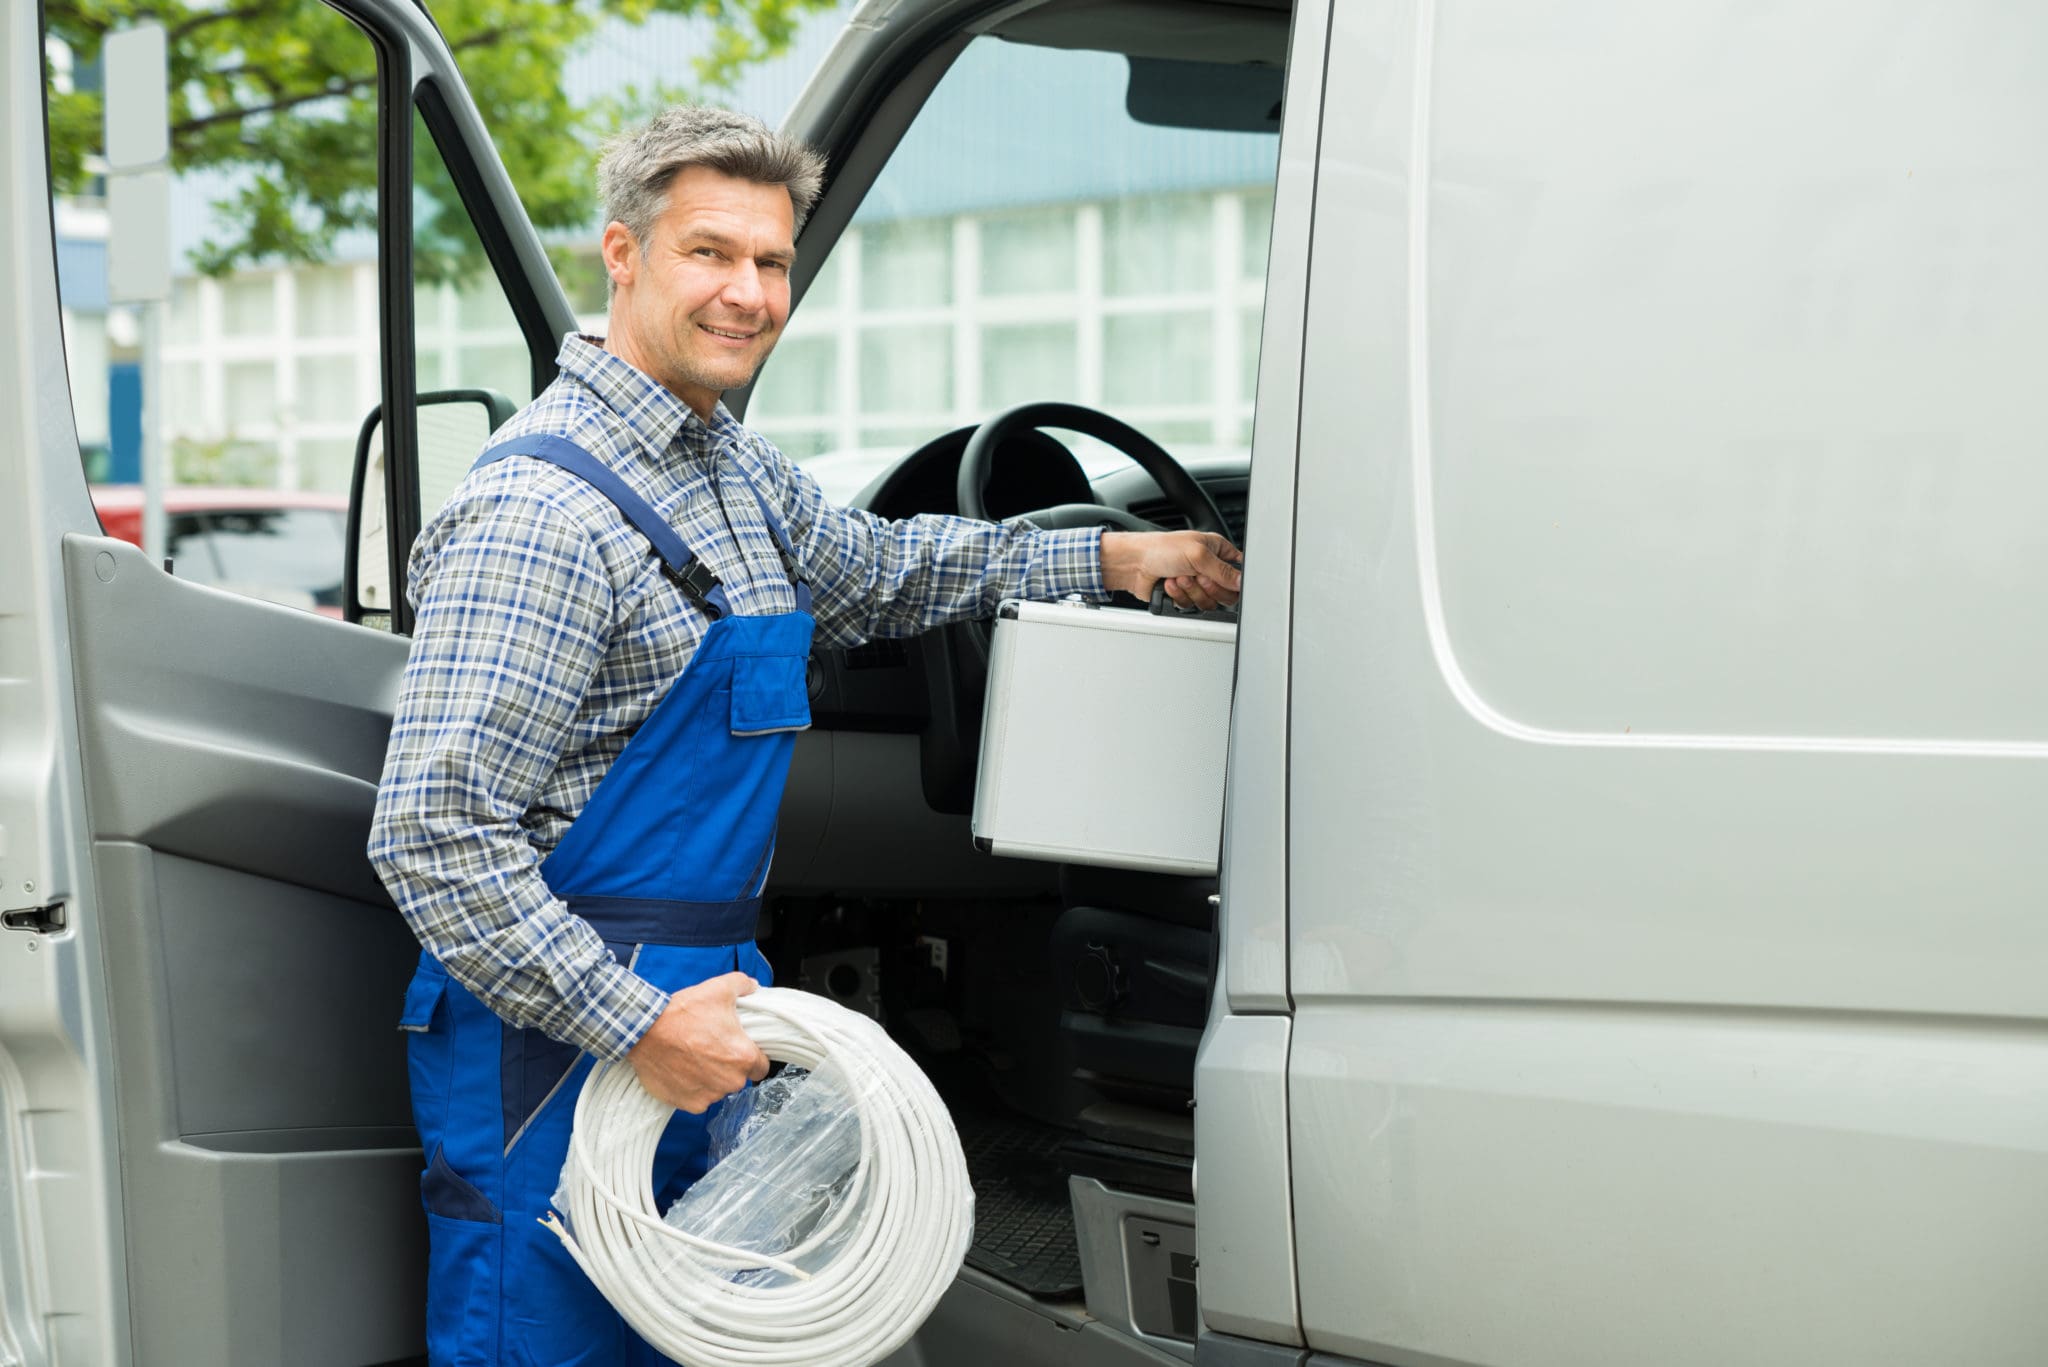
(616, 1008)
(1073, 560)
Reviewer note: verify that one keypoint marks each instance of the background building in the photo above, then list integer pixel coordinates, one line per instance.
(953, 296)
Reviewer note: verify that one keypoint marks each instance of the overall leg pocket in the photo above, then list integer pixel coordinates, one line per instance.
(465, 1265)
(462, 1292)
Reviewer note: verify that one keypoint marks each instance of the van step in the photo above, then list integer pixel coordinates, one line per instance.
(1023, 1217)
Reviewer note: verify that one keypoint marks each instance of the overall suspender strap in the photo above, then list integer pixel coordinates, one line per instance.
(695, 577)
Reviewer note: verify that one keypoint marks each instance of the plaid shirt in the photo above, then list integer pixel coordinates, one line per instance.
(546, 633)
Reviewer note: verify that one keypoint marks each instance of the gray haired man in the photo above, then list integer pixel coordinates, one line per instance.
(577, 811)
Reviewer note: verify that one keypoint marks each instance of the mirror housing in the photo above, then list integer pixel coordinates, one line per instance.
(454, 425)
(1205, 95)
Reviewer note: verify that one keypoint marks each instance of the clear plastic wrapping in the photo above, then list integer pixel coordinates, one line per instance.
(784, 1177)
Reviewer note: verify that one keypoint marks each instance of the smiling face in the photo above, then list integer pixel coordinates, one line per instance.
(699, 304)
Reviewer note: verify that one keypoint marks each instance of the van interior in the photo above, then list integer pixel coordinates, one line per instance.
(1058, 1007)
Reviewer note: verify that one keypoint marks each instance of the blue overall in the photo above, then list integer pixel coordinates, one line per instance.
(667, 862)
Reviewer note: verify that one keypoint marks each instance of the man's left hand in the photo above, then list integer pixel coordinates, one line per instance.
(1201, 569)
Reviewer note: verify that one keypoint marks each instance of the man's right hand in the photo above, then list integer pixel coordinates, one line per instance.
(696, 1054)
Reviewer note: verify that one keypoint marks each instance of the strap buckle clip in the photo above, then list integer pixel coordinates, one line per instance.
(696, 582)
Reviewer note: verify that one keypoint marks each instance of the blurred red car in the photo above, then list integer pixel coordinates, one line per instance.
(274, 544)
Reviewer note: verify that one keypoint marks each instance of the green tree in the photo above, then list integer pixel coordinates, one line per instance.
(282, 93)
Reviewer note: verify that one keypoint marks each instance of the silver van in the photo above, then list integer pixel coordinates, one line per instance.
(1631, 940)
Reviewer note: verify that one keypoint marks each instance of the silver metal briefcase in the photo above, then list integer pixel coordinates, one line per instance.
(1104, 736)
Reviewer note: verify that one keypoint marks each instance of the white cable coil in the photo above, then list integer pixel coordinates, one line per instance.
(909, 1202)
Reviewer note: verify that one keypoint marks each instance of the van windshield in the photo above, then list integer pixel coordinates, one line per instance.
(1032, 239)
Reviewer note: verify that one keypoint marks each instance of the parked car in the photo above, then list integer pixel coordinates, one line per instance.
(279, 545)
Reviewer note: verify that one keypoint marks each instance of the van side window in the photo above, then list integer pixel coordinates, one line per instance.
(267, 350)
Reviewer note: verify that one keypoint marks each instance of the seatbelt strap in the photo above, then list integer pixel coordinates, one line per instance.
(683, 568)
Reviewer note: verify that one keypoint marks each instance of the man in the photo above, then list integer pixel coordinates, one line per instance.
(614, 614)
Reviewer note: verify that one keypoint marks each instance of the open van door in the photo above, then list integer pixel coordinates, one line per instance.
(206, 1152)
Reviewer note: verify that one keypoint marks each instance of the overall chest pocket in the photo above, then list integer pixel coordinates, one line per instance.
(770, 693)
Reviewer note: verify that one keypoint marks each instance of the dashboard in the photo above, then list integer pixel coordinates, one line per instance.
(1033, 470)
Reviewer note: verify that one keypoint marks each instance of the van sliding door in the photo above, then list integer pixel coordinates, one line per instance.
(1670, 744)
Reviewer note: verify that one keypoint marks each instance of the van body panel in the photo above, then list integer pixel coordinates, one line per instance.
(61, 1224)
(1440, 851)
(1550, 1184)
(1253, 924)
(1715, 1037)
(1244, 1229)
(1729, 374)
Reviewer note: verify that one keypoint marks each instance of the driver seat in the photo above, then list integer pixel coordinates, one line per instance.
(1134, 955)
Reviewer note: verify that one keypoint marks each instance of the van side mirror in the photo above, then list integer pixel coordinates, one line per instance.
(454, 424)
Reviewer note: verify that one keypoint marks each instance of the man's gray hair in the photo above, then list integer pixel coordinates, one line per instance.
(634, 172)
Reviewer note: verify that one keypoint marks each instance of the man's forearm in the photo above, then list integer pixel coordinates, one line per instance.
(880, 578)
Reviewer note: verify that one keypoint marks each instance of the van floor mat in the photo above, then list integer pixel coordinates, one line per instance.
(1023, 1217)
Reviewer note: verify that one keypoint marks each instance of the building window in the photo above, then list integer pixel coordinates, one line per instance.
(807, 377)
(1156, 358)
(1258, 234)
(906, 370)
(1032, 252)
(248, 305)
(326, 302)
(1157, 245)
(327, 390)
(505, 368)
(906, 265)
(251, 394)
(1023, 363)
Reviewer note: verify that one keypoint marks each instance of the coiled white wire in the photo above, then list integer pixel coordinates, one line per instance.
(909, 1200)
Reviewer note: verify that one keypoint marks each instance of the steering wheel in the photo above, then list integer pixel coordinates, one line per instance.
(956, 657)
(1180, 488)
